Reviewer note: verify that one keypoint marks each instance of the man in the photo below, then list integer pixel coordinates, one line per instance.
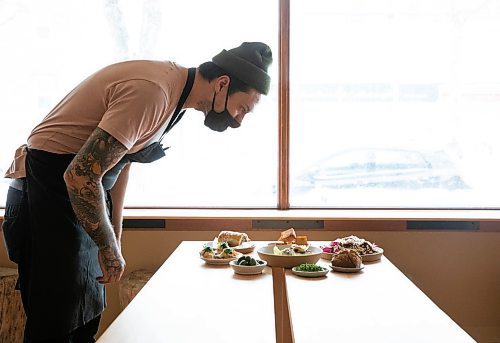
(64, 207)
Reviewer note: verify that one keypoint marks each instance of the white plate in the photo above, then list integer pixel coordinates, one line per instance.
(219, 261)
(309, 274)
(366, 258)
(347, 270)
(247, 270)
(245, 247)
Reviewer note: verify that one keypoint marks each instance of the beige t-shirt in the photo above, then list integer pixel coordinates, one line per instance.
(132, 101)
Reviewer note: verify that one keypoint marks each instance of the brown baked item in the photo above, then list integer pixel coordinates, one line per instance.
(233, 238)
(288, 236)
(301, 240)
(346, 259)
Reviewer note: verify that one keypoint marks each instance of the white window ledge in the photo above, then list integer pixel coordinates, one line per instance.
(319, 214)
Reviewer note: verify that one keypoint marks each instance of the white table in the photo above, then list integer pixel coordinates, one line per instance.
(378, 304)
(189, 301)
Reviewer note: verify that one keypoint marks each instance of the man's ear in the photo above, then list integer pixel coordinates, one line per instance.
(221, 82)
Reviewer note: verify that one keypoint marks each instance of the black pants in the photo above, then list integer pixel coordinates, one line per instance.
(84, 334)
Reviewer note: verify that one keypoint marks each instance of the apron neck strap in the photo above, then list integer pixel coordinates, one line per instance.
(177, 115)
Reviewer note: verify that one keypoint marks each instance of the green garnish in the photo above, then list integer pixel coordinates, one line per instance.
(309, 267)
(224, 245)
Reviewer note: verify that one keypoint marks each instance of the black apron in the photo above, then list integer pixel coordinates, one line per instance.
(59, 265)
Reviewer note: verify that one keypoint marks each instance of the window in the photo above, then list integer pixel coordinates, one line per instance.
(392, 104)
(49, 47)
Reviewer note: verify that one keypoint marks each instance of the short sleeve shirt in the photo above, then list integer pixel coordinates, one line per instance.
(132, 101)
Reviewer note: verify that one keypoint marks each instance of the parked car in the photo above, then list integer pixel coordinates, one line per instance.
(382, 168)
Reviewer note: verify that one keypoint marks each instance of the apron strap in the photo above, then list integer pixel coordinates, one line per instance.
(177, 115)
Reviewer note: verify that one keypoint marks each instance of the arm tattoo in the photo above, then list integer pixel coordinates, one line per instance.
(83, 179)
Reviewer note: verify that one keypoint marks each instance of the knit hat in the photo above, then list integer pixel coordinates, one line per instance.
(249, 63)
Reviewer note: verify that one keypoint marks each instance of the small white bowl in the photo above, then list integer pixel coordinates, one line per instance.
(247, 270)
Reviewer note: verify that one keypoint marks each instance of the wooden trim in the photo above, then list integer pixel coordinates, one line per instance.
(284, 105)
(395, 221)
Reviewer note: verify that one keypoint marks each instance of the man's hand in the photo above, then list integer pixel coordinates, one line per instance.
(112, 264)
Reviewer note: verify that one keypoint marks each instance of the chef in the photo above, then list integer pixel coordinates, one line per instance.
(63, 217)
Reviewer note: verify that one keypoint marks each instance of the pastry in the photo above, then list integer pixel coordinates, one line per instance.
(288, 236)
(233, 238)
(346, 259)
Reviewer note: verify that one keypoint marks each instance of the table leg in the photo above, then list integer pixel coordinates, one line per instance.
(282, 320)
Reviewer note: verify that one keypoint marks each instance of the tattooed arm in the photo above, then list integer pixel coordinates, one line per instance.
(118, 198)
(83, 180)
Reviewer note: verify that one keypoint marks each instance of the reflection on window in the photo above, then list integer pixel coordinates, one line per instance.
(49, 47)
(397, 106)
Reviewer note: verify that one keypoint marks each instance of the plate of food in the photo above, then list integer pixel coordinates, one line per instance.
(309, 270)
(223, 254)
(288, 256)
(244, 248)
(368, 251)
(347, 261)
(246, 265)
(237, 240)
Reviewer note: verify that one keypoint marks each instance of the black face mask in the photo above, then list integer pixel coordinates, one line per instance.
(220, 121)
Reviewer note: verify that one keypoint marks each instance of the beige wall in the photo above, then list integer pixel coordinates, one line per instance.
(459, 271)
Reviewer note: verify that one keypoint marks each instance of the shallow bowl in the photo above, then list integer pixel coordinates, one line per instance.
(266, 253)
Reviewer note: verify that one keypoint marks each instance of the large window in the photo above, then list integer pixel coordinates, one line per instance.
(395, 103)
(392, 104)
(48, 47)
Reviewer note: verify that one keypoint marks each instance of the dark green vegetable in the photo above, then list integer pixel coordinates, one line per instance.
(248, 261)
(309, 267)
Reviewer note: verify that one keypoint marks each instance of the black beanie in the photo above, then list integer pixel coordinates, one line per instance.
(249, 63)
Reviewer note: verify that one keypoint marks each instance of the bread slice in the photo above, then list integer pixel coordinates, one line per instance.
(301, 240)
(288, 236)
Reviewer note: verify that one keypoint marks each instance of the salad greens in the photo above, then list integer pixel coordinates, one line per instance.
(309, 267)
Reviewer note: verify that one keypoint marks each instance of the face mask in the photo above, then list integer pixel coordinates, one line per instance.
(220, 121)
